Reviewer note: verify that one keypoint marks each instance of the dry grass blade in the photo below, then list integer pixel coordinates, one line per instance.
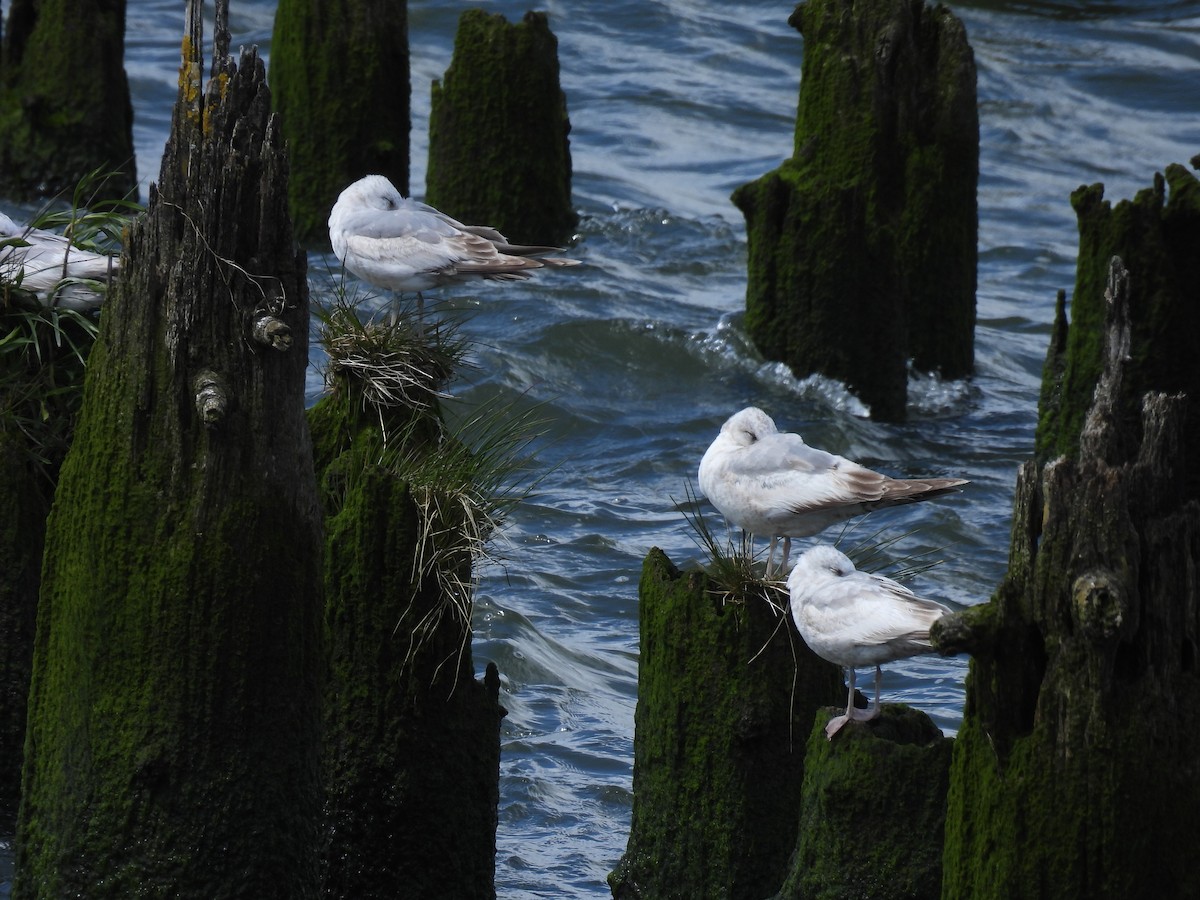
(462, 489)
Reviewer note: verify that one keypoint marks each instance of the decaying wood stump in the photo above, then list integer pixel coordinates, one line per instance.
(64, 98)
(1075, 773)
(22, 532)
(862, 246)
(725, 704)
(174, 710)
(872, 811)
(340, 81)
(498, 147)
(412, 740)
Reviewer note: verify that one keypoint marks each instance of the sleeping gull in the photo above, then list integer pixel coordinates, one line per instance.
(853, 618)
(399, 244)
(769, 482)
(48, 266)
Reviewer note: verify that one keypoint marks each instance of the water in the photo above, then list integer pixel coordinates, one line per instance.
(637, 357)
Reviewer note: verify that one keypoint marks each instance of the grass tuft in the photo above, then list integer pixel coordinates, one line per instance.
(463, 466)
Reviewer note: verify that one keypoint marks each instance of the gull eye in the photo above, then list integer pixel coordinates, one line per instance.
(751, 437)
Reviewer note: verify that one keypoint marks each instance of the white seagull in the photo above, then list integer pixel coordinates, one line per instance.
(399, 244)
(853, 618)
(48, 266)
(769, 482)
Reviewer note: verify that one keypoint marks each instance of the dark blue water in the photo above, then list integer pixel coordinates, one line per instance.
(637, 357)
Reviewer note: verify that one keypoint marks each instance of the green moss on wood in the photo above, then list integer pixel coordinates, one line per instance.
(873, 220)
(872, 810)
(718, 741)
(65, 109)
(340, 78)
(498, 131)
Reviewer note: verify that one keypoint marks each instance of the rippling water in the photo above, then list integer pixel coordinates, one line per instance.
(637, 357)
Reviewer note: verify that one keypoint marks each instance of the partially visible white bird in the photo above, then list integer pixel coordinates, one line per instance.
(399, 244)
(769, 482)
(854, 618)
(48, 265)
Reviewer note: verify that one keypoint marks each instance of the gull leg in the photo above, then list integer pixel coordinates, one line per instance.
(834, 725)
(770, 556)
(420, 326)
(875, 706)
(787, 552)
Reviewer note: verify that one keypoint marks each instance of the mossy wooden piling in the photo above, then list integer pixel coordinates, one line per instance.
(727, 694)
(499, 152)
(1075, 770)
(22, 532)
(412, 741)
(340, 80)
(65, 109)
(862, 245)
(872, 810)
(173, 716)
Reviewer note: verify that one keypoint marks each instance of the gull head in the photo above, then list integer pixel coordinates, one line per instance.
(371, 192)
(8, 228)
(748, 426)
(824, 560)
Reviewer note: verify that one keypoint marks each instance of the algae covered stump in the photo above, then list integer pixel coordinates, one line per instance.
(498, 131)
(65, 109)
(340, 81)
(862, 245)
(1075, 773)
(173, 716)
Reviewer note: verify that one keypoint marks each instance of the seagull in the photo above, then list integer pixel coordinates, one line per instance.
(399, 244)
(853, 618)
(769, 482)
(48, 266)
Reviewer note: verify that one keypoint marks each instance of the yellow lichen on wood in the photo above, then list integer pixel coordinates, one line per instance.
(190, 79)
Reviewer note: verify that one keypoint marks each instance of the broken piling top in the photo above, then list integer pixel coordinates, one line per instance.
(340, 80)
(65, 110)
(1074, 773)
(498, 148)
(173, 716)
(1157, 237)
(862, 246)
(727, 693)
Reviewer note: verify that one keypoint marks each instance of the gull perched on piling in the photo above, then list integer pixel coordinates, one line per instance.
(852, 618)
(51, 268)
(769, 482)
(399, 244)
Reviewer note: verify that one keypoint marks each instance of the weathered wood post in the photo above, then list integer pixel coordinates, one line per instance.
(862, 246)
(498, 147)
(64, 99)
(173, 718)
(872, 811)
(412, 740)
(1075, 773)
(340, 81)
(22, 532)
(727, 694)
